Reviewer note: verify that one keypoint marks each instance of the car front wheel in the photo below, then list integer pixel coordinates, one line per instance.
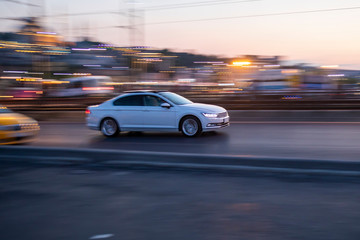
(191, 126)
(109, 127)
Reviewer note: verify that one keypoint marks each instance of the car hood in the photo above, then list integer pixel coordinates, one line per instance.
(15, 118)
(208, 108)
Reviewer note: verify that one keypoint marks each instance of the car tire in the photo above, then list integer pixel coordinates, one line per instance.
(190, 126)
(109, 127)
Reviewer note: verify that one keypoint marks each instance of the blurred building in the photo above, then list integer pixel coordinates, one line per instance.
(32, 32)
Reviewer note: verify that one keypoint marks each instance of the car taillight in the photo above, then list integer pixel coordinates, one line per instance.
(87, 111)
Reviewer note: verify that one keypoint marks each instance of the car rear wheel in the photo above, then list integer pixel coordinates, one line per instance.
(191, 126)
(109, 127)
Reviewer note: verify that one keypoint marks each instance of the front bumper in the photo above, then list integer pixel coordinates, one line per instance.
(17, 137)
(215, 123)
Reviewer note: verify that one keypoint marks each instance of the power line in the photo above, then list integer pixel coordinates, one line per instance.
(22, 3)
(196, 4)
(84, 13)
(258, 15)
(244, 16)
(65, 15)
(161, 7)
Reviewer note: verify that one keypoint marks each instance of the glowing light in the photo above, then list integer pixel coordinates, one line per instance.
(226, 84)
(271, 66)
(62, 74)
(291, 97)
(28, 79)
(148, 82)
(150, 59)
(187, 80)
(81, 74)
(120, 68)
(92, 65)
(37, 92)
(330, 66)
(251, 66)
(104, 56)
(48, 33)
(80, 49)
(289, 71)
(72, 74)
(15, 72)
(97, 49)
(241, 63)
(55, 82)
(336, 75)
(113, 83)
(27, 51)
(97, 88)
(209, 62)
(10, 77)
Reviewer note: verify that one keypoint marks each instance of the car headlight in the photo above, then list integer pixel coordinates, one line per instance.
(10, 127)
(210, 115)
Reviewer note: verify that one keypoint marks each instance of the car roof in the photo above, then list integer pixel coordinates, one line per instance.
(145, 91)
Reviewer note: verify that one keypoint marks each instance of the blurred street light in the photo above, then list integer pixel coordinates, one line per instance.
(241, 63)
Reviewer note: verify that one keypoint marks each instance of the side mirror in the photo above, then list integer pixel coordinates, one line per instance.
(165, 105)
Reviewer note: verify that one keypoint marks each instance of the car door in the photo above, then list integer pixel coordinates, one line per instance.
(157, 117)
(129, 111)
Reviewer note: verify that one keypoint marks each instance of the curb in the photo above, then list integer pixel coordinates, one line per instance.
(177, 161)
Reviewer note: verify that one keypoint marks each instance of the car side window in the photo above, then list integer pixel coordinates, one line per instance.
(135, 100)
(153, 101)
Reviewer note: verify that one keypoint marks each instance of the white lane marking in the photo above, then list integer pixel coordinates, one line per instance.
(101, 236)
(121, 173)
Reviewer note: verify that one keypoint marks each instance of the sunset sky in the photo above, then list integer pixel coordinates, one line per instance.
(328, 33)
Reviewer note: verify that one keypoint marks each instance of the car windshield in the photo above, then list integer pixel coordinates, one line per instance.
(175, 98)
(4, 110)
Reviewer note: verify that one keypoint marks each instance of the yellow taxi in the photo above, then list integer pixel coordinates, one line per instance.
(16, 128)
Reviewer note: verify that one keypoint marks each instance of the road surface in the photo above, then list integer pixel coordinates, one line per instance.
(80, 204)
(305, 140)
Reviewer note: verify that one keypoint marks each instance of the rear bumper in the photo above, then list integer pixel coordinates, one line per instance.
(92, 126)
(92, 123)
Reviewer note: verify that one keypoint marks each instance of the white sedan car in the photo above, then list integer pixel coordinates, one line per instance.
(155, 111)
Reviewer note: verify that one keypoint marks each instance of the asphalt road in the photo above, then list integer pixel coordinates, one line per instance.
(76, 204)
(305, 140)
